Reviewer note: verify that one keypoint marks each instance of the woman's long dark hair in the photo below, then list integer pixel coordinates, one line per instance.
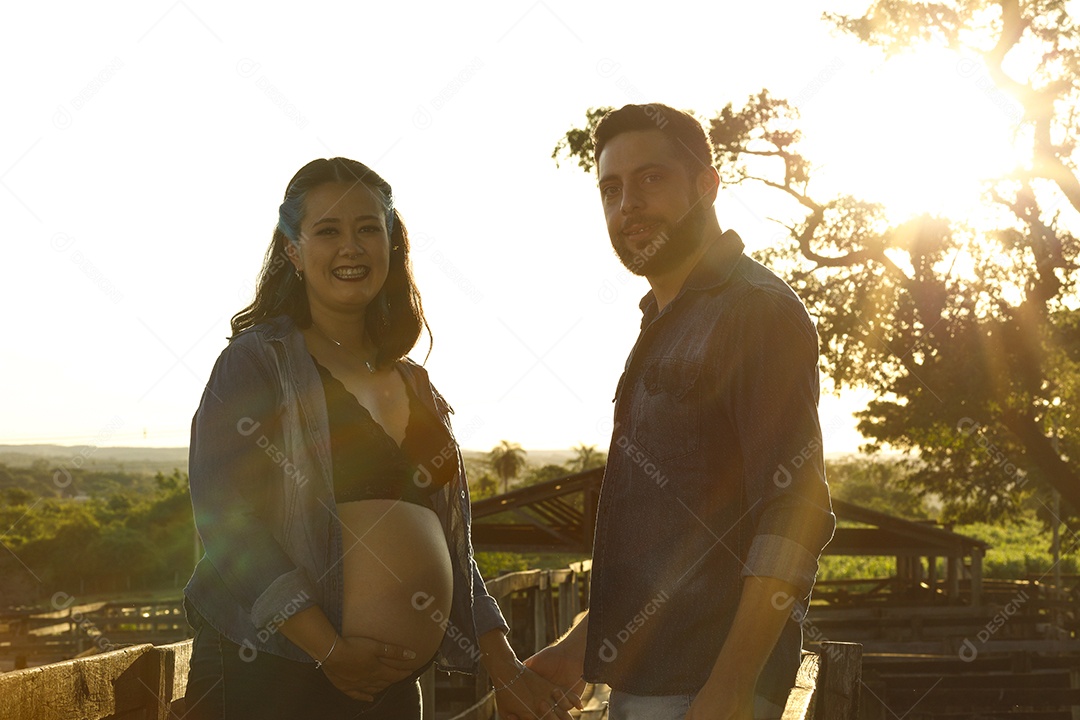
(395, 316)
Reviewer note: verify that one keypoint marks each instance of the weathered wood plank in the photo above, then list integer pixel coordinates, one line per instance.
(174, 660)
(113, 684)
(839, 681)
(800, 702)
(991, 647)
(596, 705)
(509, 583)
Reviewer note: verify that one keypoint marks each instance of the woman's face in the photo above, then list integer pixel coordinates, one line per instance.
(344, 249)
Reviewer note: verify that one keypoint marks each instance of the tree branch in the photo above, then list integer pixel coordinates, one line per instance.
(1042, 453)
(1038, 104)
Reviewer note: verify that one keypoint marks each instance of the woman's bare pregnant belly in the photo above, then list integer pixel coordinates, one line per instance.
(398, 579)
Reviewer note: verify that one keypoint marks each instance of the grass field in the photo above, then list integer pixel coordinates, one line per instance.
(1018, 551)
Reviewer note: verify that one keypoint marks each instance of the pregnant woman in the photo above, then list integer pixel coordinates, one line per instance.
(329, 491)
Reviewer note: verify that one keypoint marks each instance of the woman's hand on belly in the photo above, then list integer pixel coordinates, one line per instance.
(360, 667)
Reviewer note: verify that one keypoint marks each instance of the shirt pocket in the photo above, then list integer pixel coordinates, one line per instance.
(668, 409)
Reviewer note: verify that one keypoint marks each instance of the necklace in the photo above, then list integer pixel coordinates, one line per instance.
(367, 363)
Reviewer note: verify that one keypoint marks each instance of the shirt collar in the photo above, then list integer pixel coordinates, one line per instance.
(711, 271)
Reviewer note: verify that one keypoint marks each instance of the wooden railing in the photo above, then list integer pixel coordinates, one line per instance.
(828, 684)
(148, 682)
(36, 637)
(141, 682)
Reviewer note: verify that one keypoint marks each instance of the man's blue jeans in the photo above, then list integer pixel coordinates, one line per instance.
(624, 706)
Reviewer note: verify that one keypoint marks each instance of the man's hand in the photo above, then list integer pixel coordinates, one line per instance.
(559, 666)
(532, 696)
(764, 607)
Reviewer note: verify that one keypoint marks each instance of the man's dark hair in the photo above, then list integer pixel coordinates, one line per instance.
(683, 131)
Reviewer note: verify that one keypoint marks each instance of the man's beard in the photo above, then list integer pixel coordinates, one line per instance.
(670, 246)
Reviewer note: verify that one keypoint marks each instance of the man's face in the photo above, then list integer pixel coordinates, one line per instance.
(655, 210)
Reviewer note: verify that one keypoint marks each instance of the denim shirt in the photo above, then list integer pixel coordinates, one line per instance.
(262, 493)
(715, 472)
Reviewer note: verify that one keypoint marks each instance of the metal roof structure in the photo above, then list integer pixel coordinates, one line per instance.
(559, 515)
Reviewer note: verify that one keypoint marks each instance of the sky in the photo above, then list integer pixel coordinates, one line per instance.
(147, 145)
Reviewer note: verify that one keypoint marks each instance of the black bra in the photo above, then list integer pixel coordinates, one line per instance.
(368, 464)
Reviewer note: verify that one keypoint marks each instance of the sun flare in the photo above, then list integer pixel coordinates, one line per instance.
(920, 134)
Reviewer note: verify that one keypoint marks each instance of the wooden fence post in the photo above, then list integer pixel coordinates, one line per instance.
(569, 602)
(839, 681)
(539, 595)
(1074, 684)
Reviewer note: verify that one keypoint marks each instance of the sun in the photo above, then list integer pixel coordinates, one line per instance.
(918, 133)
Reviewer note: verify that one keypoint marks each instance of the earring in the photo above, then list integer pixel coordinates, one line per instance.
(299, 275)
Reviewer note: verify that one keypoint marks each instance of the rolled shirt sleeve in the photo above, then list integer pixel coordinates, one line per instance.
(232, 480)
(486, 612)
(773, 401)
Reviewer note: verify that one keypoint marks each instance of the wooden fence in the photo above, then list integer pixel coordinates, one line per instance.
(148, 682)
(68, 630)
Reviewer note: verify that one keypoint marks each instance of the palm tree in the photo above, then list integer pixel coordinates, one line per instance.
(507, 459)
(587, 457)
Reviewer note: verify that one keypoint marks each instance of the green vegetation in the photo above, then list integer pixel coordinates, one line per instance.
(98, 534)
(493, 564)
(507, 459)
(90, 533)
(1019, 548)
(509, 456)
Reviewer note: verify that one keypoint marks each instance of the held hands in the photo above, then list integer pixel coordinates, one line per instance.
(528, 695)
(558, 666)
(360, 667)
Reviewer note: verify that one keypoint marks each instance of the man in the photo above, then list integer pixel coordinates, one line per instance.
(714, 507)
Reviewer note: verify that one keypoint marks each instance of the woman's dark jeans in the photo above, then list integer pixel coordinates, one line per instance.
(230, 682)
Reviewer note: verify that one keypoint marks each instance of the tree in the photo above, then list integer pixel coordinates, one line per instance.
(484, 487)
(16, 496)
(507, 460)
(975, 371)
(543, 473)
(874, 483)
(587, 457)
